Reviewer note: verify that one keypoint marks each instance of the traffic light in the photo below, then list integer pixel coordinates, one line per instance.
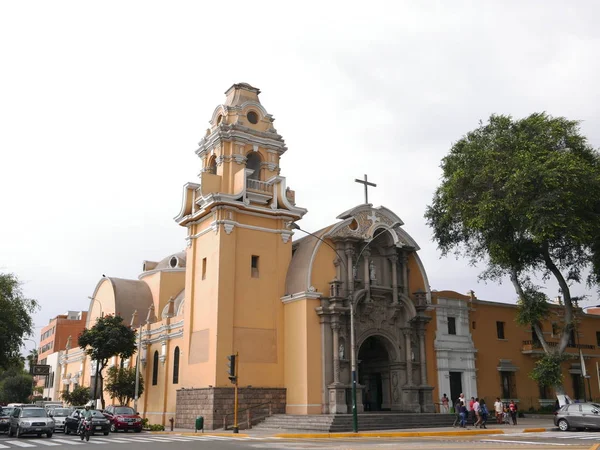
(231, 368)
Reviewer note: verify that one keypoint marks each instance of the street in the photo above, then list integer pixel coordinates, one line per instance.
(543, 440)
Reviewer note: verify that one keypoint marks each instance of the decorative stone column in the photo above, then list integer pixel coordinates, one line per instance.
(367, 275)
(409, 365)
(410, 392)
(350, 275)
(335, 326)
(337, 391)
(394, 260)
(422, 357)
(386, 395)
(405, 272)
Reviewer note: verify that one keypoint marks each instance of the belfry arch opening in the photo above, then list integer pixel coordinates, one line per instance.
(253, 162)
(374, 374)
(212, 165)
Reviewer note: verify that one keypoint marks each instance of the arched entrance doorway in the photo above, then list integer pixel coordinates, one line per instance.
(374, 373)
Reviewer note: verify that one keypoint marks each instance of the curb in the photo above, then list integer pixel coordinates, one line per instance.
(595, 447)
(392, 434)
(215, 434)
(535, 430)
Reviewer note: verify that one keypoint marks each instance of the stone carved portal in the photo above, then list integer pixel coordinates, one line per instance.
(374, 370)
(390, 320)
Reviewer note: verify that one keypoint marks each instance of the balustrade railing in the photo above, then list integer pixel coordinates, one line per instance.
(257, 185)
(537, 344)
(249, 416)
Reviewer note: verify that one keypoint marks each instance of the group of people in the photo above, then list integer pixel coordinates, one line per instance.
(476, 411)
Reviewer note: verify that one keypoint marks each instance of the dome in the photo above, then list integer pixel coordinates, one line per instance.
(174, 261)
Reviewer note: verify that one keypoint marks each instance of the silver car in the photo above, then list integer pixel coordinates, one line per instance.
(578, 416)
(59, 415)
(30, 420)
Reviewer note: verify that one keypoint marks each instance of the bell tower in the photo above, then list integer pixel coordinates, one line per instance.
(238, 216)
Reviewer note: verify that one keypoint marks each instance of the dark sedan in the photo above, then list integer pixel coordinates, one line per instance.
(100, 424)
(5, 413)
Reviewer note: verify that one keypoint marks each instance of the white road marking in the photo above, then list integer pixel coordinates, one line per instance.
(505, 441)
(19, 443)
(49, 443)
(4, 446)
(67, 441)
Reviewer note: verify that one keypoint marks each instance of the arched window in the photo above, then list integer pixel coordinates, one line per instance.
(176, 366)
(212, 165)
(155, 369)
(253, 162)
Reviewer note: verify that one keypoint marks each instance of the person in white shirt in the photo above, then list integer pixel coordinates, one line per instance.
(498, 409)
(477, 413)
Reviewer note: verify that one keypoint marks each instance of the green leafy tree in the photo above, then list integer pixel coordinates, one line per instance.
(79, 396)
(16, 386)
(15, 320)
(523, 196)
(109, 337)
(120, 384)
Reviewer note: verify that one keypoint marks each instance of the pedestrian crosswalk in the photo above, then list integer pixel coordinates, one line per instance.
(590, 436)
(65, 441)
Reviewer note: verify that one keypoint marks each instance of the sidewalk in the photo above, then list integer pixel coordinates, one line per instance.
(525, 425)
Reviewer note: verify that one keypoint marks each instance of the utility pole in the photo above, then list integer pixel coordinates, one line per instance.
(138, 362)
(233, 377)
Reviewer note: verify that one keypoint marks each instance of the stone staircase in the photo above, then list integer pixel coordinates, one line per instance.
(366, 421)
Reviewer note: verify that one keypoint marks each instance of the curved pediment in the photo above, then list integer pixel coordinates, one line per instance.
(363, 221)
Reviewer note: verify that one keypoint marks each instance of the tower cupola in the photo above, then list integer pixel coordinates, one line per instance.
(240, 160)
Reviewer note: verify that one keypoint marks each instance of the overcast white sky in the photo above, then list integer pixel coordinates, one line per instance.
(102, 105)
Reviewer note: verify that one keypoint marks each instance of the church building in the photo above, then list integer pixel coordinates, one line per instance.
(244, 286)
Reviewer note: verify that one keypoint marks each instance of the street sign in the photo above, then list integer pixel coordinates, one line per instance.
(41, 369)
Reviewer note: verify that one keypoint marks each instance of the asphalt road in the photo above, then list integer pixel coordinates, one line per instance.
(147, 441)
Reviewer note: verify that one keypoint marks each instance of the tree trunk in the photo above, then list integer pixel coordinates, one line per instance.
(564, 339)
(559, 389)
(514, 278)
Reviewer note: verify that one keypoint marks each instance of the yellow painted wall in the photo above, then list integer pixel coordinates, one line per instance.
(415, 278)
(323, 270)
(303, 367)
(490, 349)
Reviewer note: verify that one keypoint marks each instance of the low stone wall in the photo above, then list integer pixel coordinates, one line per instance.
(214, 403)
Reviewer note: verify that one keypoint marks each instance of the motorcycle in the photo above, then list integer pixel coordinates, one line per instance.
(85, 429)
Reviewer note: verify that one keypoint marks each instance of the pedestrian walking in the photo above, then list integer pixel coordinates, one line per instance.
(476, 412)
(460, 401)
(463, 416)
(471, 411)
(483, 413)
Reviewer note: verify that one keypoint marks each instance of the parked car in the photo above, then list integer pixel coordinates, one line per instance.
(30, 420)
(5, 413)
(123, 418)
(100, 424)
(578, 416)
(59, 415)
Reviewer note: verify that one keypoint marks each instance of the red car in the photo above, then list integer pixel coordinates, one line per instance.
(123, 418)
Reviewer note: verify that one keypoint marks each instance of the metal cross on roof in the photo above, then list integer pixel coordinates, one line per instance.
(367, 184)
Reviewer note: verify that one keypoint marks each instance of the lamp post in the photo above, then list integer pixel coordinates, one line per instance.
(138, 362)
(32, 362)
(94, 299)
